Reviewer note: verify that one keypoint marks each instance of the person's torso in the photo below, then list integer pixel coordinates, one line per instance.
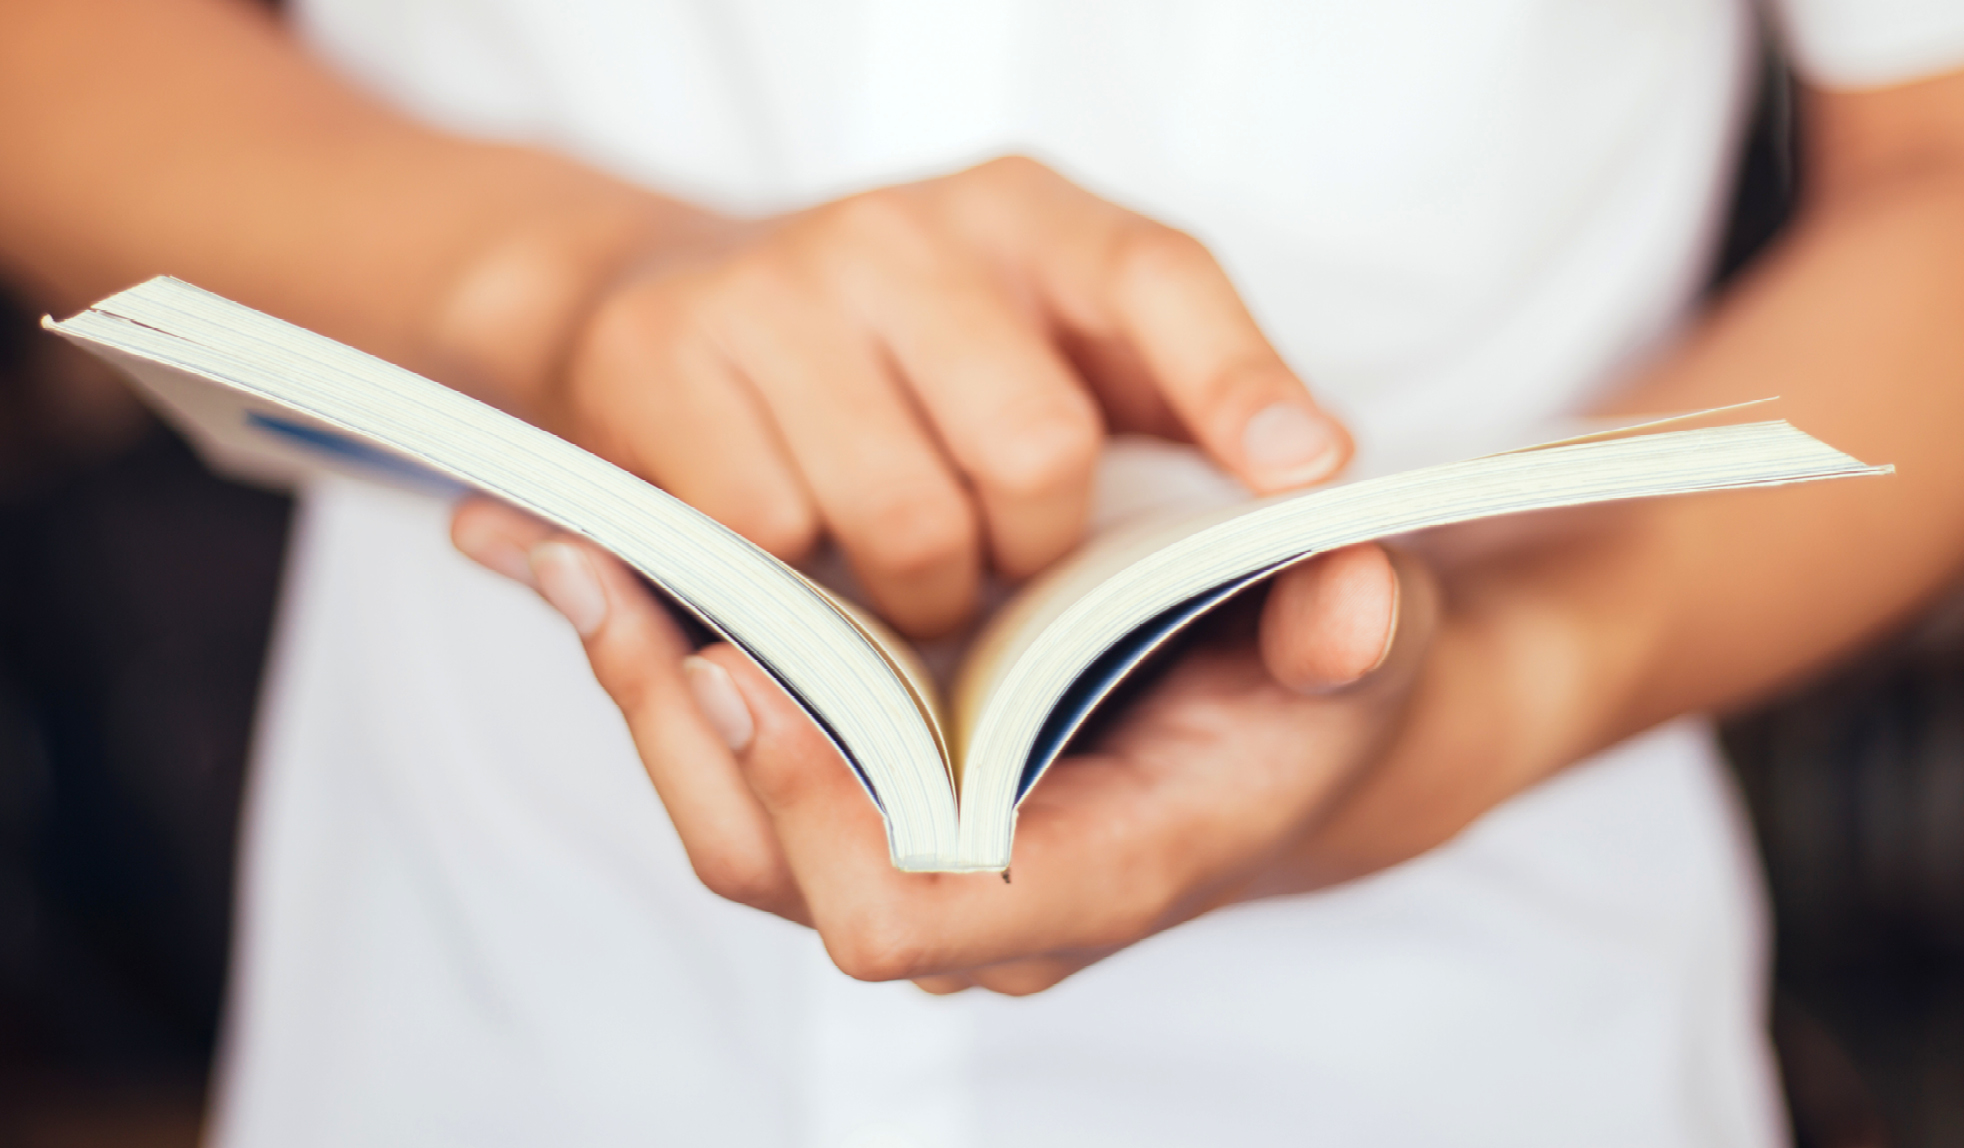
(1450, 214)
(466, 920)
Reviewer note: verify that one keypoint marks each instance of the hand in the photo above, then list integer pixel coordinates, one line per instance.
(1207, 790)
(925, 373)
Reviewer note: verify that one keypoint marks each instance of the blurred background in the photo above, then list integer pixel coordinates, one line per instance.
(136, 593)
(136, 601)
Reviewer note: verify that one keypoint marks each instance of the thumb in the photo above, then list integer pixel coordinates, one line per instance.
(1345, 616)
(795, 770)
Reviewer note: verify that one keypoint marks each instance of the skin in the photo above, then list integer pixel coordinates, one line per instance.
(1264, 764)
(965, 341)
(922, 373)
(1192, 802)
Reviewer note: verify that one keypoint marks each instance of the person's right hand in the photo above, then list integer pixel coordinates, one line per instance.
(1210, 788)
(924, 373)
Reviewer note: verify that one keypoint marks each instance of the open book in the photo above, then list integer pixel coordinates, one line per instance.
(257, 395)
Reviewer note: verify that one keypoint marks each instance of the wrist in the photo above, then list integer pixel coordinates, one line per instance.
(1512, 690)
(1533, 663)
(515, 303)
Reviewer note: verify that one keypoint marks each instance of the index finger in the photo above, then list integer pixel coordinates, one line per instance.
(1111, 275)
(1176, 307)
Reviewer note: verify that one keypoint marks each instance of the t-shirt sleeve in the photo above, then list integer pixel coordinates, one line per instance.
(1872, 43)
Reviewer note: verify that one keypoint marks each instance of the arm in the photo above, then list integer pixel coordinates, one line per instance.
(193, 137)
(1428, 692)
(1856, 319)
(922, 373)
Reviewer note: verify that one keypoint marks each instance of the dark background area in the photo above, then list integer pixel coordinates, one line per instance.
(1855, 782)
(136, 593)
(136, 599)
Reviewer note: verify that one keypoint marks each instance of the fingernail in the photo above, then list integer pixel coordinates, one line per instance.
(721, 705)
(507, 558)
(1285, 446)
(566, 580)
(1320, 689)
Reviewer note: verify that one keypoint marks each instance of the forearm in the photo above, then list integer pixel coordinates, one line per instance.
(1551, 651)
(193, 137)
(1857, 322)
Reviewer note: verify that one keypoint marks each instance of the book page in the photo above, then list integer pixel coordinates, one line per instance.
(240, 378)
(906, 664)
(1157, 577)
(1021, 624)
(220, 361)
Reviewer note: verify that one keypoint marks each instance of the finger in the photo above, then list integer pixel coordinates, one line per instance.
(1011, 978)
(497, 537)
(1113, 277)
(1107, 850)
(680, 725)
(1228, 385)
(1330, 620)
(1422, 795)
(878, 923)
(1349, 617)
(650, 392)
(1010, 411)
(880, 483)
(1028, 977)
(870, 916)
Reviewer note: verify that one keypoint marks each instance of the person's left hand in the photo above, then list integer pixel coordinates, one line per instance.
(1207, 790)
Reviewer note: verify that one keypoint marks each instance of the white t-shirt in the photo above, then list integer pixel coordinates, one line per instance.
(465, 918)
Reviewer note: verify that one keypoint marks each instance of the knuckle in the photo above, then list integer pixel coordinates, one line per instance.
(756, 285)
(626, 680)
(736, 876)
(877, 946)
(887, 218)
(782, 527)
(1054, 444)
(612, 330)
(778, 781)
(1020, 980)
(1150, 252)
(621, 313)
(624, 332)
(1016, 170)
